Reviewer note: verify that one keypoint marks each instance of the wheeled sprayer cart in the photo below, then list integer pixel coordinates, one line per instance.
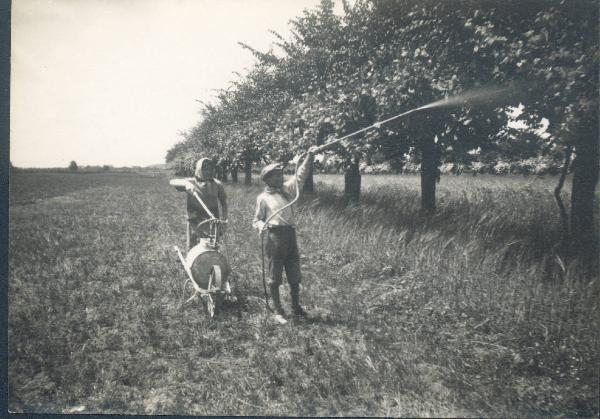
(207, 268)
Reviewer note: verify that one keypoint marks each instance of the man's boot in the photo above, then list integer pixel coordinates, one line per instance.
(295, 291)
(276, 300)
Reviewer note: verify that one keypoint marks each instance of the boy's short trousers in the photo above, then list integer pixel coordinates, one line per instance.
(282, 252)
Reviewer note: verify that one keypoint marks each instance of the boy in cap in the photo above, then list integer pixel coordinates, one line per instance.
(281, 246)
(211, 191)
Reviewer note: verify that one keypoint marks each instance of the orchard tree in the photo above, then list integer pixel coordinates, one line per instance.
(554, 47)
(549, 49)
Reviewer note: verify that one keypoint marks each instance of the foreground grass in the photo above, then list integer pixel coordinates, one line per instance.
(467, 313)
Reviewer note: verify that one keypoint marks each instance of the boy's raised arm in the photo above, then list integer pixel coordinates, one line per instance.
(302, 174)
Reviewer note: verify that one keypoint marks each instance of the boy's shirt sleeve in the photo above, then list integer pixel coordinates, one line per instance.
(260, 214)
(290, 185)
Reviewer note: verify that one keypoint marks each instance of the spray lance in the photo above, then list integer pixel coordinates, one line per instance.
(336, 141)
(473, 96)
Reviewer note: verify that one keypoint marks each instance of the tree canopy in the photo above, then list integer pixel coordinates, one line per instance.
(383, 57)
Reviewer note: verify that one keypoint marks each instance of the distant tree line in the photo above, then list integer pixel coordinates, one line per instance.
(73, 167)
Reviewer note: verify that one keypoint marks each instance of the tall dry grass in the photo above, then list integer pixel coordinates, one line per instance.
(479, 278)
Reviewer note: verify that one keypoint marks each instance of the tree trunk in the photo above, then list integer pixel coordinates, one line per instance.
(218, 171)
(564, 219)
(224, 169)
(584, 243)
(352, 180)
(309, 185)
(234, 173)
(248, 172)
(428, 174)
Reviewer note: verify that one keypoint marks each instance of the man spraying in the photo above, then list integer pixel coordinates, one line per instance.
(211, 192)
(281, 246)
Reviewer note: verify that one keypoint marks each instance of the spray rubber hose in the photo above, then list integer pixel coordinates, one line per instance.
(262, 254)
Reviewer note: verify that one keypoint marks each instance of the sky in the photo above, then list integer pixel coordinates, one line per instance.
(115, 81)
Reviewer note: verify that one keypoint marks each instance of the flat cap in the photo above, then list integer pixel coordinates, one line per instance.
(268, 169)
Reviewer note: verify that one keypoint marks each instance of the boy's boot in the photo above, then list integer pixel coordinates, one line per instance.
(295, 291)
(276, 300)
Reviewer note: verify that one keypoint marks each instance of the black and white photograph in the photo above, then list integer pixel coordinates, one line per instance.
(303, 208)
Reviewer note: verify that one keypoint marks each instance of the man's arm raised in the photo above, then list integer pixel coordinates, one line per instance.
(301, 173)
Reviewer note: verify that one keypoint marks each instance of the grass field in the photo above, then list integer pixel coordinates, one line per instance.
(464, 313)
